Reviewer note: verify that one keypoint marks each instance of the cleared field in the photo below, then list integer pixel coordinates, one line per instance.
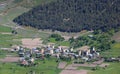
(31, 43)
(116, 36)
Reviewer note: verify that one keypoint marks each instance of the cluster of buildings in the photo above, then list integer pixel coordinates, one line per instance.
(27, 56)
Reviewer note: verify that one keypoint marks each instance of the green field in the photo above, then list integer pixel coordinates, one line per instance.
(6, 40)
(31, 3)
(114, 68)
(63, 43)
(49, 67)
(113, 52)
(5, 29)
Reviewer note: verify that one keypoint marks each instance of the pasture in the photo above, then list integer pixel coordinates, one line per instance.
(113, 52)
(49, 67)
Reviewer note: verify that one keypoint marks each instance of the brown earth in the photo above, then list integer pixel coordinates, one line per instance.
(74, 72)
(31, 43)
(62, 65)
(10, 59)
(116, 37)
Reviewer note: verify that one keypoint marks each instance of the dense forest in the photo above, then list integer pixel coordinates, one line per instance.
(73, 15)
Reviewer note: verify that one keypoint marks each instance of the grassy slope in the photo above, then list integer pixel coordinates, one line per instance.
(43, 1)
(50, 67)
(114, 68)
(63, 43)
(6, 40)
(114, 52)
(5, 29)
(32, 3)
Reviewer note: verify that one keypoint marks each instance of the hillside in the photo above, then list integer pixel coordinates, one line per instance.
(73, 15)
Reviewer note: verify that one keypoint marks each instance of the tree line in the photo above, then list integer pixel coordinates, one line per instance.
(73, 15)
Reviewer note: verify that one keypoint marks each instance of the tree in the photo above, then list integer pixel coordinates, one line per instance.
(57, 37)
(73, 16)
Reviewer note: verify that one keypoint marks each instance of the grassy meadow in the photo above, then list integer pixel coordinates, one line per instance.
(49, 67)
(113, 68)
(113, 52)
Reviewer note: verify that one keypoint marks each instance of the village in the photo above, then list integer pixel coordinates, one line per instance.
(81, 55)
(33, 50)
(28, 50)
(60, 52)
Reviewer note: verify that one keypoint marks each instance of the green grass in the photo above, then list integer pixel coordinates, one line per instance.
(52, 40)
(49, 67)
(63, 43)
(5, 29)
(85, 68)
(31, 3)
(37, 2)
(7, 40)
(3, 53)
(113, 52)
(114, 68)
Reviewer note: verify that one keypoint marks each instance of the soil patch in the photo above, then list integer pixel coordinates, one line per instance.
(10, 59)
(84, 65)
(71, 67)
(62, 65)
(31, 43)
(104, 65)
(74, 72)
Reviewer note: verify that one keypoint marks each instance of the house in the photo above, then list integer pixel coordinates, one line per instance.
(42, 50)
(49, 50)
(91, 36)
(15, 48)
(21, 52)
(83, 51)
(31, 60)
(24, 63)
(64, 49)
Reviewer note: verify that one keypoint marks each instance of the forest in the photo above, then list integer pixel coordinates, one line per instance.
(73, 15)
